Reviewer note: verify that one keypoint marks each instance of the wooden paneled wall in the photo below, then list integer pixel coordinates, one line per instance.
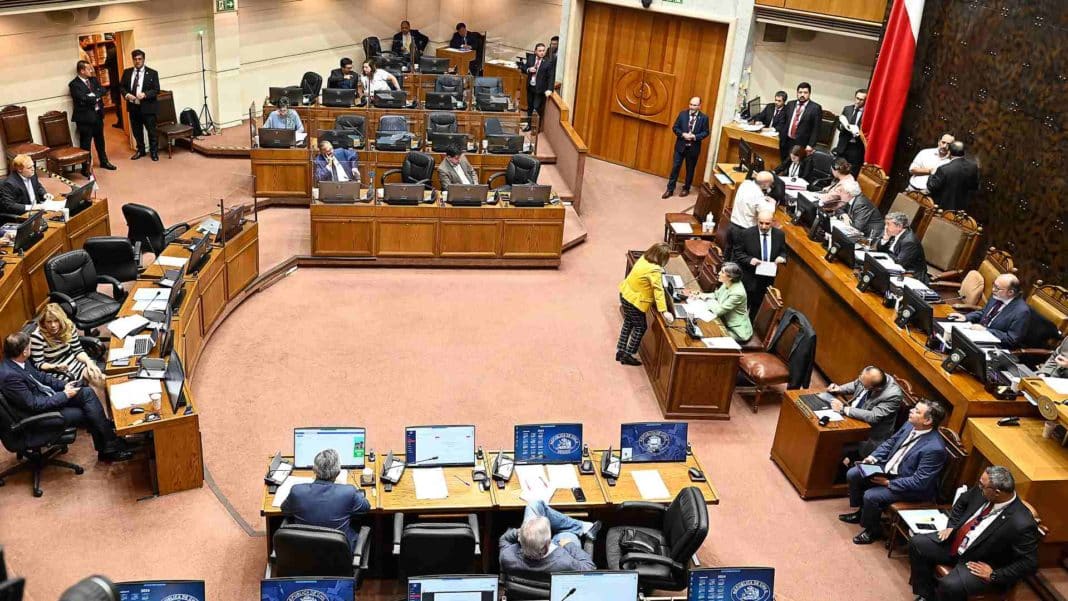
(636, 72)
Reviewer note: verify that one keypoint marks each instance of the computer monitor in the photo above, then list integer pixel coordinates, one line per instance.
(426, 446)
(504, 143)
(441, 140)
(756, 165)
(339, 192)
(275, 93)
(915, 310)
(350, 442)
(310, 589)
(198, 255)
(530, 195)
(174, 381)
(753, 109)
(161, 590)
(389, 99)
(339, 97)
(452, 588)
(77, 199)
(403, 194)
(745, 157)
(727, 584)
(653, 441)
(548, 443)
(230, 224)
(440, 101)
(845, 250)
(965, 353)
(593, 586)
(467, 195)
(30, 231)
(875, 276)
(277, 137)
(805, 210)
(433, 65)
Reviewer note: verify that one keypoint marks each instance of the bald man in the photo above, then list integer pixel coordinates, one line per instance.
(761, 243)
(1006, 314)
(691, 128)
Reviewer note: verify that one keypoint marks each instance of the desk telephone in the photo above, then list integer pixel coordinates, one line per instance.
(503, 466)
(392, 470)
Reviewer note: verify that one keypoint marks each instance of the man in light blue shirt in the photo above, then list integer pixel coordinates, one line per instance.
(284, 118)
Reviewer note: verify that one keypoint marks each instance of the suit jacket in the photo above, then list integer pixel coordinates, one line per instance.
(545, 77)
(88, 109)
(845, 137)
(808, 127)
(682, 126)
(1050, 367)
(568, 558)
(865, 217)
(336, 79)
(804, 170)
(474, 40)
(1009, 544)
(18, 387)
(952, 185)
(768, 118)
(13, 194)
(909, 254)
(327, 505)
(748, 248)
(418, 40)
(1009, 325)
(731, 305)
(348, 159)
(918, 474)
(448, 174)
(150, 88)
(879, 410)
(802, 353)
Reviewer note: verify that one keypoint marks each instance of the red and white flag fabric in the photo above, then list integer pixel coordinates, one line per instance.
(890, 82)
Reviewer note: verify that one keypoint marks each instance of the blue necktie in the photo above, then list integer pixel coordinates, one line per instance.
(40, 387)
(765, 247)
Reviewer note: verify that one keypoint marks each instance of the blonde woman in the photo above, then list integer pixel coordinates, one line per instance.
(56, 349)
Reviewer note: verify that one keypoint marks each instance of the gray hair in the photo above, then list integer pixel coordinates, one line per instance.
(324, 143)
(534, 537)
(1001, 478)
(733, 271)
(900, 219)
(327, 465)
(851, 187)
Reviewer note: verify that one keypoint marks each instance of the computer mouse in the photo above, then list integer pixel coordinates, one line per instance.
(696, 473)
(152, 417)
(137, 410)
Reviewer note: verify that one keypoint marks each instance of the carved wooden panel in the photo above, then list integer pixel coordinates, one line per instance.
(643, 94)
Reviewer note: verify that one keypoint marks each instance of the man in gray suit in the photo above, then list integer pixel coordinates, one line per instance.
(1057, 364)
(548, 541)
(861, 213)
(455, 169)
(874, 398)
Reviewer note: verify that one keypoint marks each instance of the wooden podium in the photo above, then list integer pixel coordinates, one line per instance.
(458, 59)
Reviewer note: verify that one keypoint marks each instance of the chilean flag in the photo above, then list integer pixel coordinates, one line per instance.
(890, 82)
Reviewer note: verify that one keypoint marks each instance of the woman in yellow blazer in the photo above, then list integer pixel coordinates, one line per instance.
(729, 302)
(642, 287)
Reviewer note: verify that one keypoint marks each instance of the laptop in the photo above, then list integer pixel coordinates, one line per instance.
(390, 100)
(504, 143)
(77, 199)
(271, 137)
(439, 101)
(403, 194)
(339, 192)
(467, 195)
(339, 97)
(530, 195)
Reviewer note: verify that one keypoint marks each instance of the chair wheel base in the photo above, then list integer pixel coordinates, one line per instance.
(79, 471)
(37, 492)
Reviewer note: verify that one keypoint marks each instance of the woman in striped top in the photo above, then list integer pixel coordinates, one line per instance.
(55, 348)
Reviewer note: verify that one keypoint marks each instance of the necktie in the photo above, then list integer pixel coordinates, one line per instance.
(856, 116)
(333, 169)
(899, 455)
(797, 117)
(766, 254)
(958, 544)
(775, 117)
(859, 401)
(136, 81)
(41, 387)
(29, 190)
(534, 75)
(693, 120)
(989, 317)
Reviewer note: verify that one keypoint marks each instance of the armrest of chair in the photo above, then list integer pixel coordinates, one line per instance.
(170, 234)
(940, 285)
(472, 520)
(64, 301)
(385, 174)
(953, 275)
(498, 175)
(52, 419)
(94, 347)
(361, 559)
(426, 183)
(398, 531)
(643, 506)
(117, 292)
(631, 558)
(1032, 356)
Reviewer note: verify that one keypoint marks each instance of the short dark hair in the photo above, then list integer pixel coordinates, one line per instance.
(861, 91)
(405, 22)
(842, 166)
(538, 45)
(81, 65)
(283, 102)
(345, 62)
(658, 254)
(956, 149)
(936, 411)
(555, 38)
(15, 344)
(453, 151)
(460, 26)
(781, 94)
(805, 85)
(137, 52)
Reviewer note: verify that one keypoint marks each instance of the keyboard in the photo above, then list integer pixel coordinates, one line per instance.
(814, 402)
(142, 346)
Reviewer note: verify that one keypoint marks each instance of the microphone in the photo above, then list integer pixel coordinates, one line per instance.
(425, 459)
(569, 593)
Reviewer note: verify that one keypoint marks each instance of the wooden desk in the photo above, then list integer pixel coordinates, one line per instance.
(1055, 409)
(282, 172)
(15, 307)
(463, 496)
(111, 369)
(53, 242)
(766, 147)
(809, 454)
(460, 60)
(512, 79)
(92, 221)
(675, 475)
(591, 485)
(717, 197)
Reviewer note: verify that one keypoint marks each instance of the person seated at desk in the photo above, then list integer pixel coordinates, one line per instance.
(729, 302)
(1006, 315)
(456, 169)
(912, 460)
(21, 191)
(462, 39)
(797, 164)
(834, 197)
(548, 541)
(762, 243)
(375, 79)
(643, 286)
(284, 118)
(407, 38)
(31, 391)
(991, 541)
(55, 348)
(335, 165)
(901, 243)
(1057, 364)
(874, 398)
(324, 503)
(344, 77)
(860, 213)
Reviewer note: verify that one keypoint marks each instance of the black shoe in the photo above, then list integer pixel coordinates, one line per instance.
(137, 155)
(850, 518)
(155, 157)
(116, 455)
(85, 172)
(629, 359)
(108, 166)
(865, 538)
(668, 194)
(685, 192)
(619, 355)
(594, 530)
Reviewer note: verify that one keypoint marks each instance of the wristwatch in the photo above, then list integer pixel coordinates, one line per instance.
(993, 577)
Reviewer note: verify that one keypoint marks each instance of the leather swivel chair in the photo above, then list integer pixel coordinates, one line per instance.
(372, 47)
(301, 550)
(72, 282)
(822, 163)
(115, 256)
(417, 168)
(350, 122)
(522, 169)
(488, 85)
(450, 84)
(678, 529)
(36, 440)
(771, 367)
(11, 590)
(393, 133)
(145, 226)
(493, 126)
(441, 122)
(428, 548)
(311, 84)
(524, 585)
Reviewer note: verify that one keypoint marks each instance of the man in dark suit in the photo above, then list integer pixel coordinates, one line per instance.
(690, 129)
(463, 39)
(774, 116)
(1006, 315)
(344, 77)
(911, 461)
(899, 241)
(324, 503)
(860, 213)
(409, 43)
(88, 96)
(541, 75)
(952, 185)
(803, 118)
(761, 243)
(991, 541)
(140, 85)
(21, 189)
(850, 147)
(874, 398)
(33, 392)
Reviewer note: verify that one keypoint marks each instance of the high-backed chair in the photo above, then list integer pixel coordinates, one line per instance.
(674, 533)
(167, 124)
(908, 401)
(372, 47)
(35, 440)
(393, 133)
(873, 181)
(766, 320)
(488, 85)
(62, 153)
(303, 550)
(822, 164)
(769, 368)
(441, 122)
(417, 168)
(972, 289)
(73, 281)
(1049, 322)
(708, 270)
(311, 84)
(493, 126)
(450, 84)
(917, 206)
(522, 169)
(524, 585)
(115, 256)
(949, 241)
(145, 226)
(16, 135)
(827, 127)
(427, 548)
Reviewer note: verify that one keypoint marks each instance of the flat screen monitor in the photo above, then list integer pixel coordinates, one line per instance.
(548, 443)
(504, 143)
(441, 140)
(349, 442)
(876, 276)
(915, 310)
(467, 195)
(403, 194)
(745, 156)
(230, 224)
(433, 64)
(728, 584)
(277, 137)
(530, 195)
(452, 588)
(653, 441)
(440, 100)
(198, 254)
(310, 589)
(390, 99)
(339, 97)
(806, 210)
(426, 446)
(174, 381)
(845, 250)
(30, 231)
(969, 355)
(77, 199)
(593, 586)
(753, 109)
(275, 93)
(161, 590)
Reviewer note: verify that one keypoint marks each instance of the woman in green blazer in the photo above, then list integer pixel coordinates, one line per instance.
(729, 302)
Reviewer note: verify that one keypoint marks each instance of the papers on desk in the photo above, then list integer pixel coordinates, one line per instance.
(650, 485)
(722, 342)
(165, 261)
(118, 353)
(724, 179)
(52, 205)
(534, 483)
(980, 336)
(1059, 385)
(830, 414)
(133, 392)
(771, 133)
(562, 476)
(767, 268)
(747, 127)
(211, 225)
(681, 227)
(699, 310)
(147, 294)
(153, 305)
(932, 517)
(284, 489)
(430, 483)
(123, 326)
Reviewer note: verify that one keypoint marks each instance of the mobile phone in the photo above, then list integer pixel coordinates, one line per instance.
(579, 495)
(926, 527)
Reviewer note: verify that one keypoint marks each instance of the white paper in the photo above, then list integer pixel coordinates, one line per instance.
(210, 225)
(430, 483)
(767, 268)
(562, 476)
(120, 352)
(681, 228)
(747, 127)
(534, 483)
(699, 310)
(722, 342)
(650, 484)
(156, 305)
(52, 205)
(133, 392)
(146, 294)
(166, 261)
(723, 179)
(1059, 385)
(830, 414)
(122, 327)
(924, 516)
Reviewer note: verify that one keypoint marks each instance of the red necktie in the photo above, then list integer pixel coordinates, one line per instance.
(797, 117)
(968, 526)
(989, 317)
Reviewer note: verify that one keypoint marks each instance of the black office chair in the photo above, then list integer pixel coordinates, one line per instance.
(393, 133)
(441, 121)
(35, 440)
(11, 590)
(493, 126)
(350, 122)
(93, 588)
(524, 585)
(522, 169)
(417, 168)
(822, 164)
(428, 548)
(311, 84)
(10, 218)
(450, 84)
(488, 85)
(673, 533)
(372, 47)
(72, 282)
(303, 550)
(115, 256)
(145, 226)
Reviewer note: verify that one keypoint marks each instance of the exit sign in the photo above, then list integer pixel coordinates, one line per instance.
(675, 1)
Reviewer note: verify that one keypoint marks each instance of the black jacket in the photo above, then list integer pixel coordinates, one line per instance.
(474, 40)
(845, 137)
(908, 254)
(545, 77)
(88, 99)
(337, 78)
(865, 217)
(748, 248)
(13, 195)
(952, 185)
(150, 88)
(804, 169)
(769, 119)
(808, 127)
(803, 354)
(418, 39)
(682, 125)
(1009, 544)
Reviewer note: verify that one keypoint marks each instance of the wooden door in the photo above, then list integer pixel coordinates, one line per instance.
(636, 72)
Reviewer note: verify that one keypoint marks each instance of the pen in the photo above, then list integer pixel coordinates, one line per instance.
(462, 480)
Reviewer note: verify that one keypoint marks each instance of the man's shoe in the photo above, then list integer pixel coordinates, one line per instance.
(155, 157)
(865, 538)
(685, 192)
(108, 166)
(594, 530)
(116, 455)
(85, 171)
(668, 194)
(629, 359)
(850, 518)
(137, 155)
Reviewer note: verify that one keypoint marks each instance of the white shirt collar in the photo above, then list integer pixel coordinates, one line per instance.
(20, 364)
(999, 506)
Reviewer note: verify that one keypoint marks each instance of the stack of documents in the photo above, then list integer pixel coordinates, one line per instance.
(123, 326)
(165, 261)
(133, 392)
(430, 483)
(650, 485)
(150, 299)
(52, 205)
(1059, 385)
(932, 519)
(722, 342)
(540, 482)
(681, 228)
(699, 310)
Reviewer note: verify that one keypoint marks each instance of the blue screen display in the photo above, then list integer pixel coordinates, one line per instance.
(548, 443)
(732, 584)
(316, 589)
(162, 590)
(653, 441)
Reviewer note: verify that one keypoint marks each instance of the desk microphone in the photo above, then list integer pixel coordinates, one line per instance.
(423, 460)
(569, 593)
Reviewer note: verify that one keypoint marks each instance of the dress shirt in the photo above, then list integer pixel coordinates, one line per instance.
(928, 159)
(337, 170)
(534, 75)
(795, 119)
(28, 183)
(139, 80)
(995, 310)
(748, 201)
(406, 42)
(379, 82)
(459, 169)
(859, 401)
(290, 121)
(894, 462)
(984, 523)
